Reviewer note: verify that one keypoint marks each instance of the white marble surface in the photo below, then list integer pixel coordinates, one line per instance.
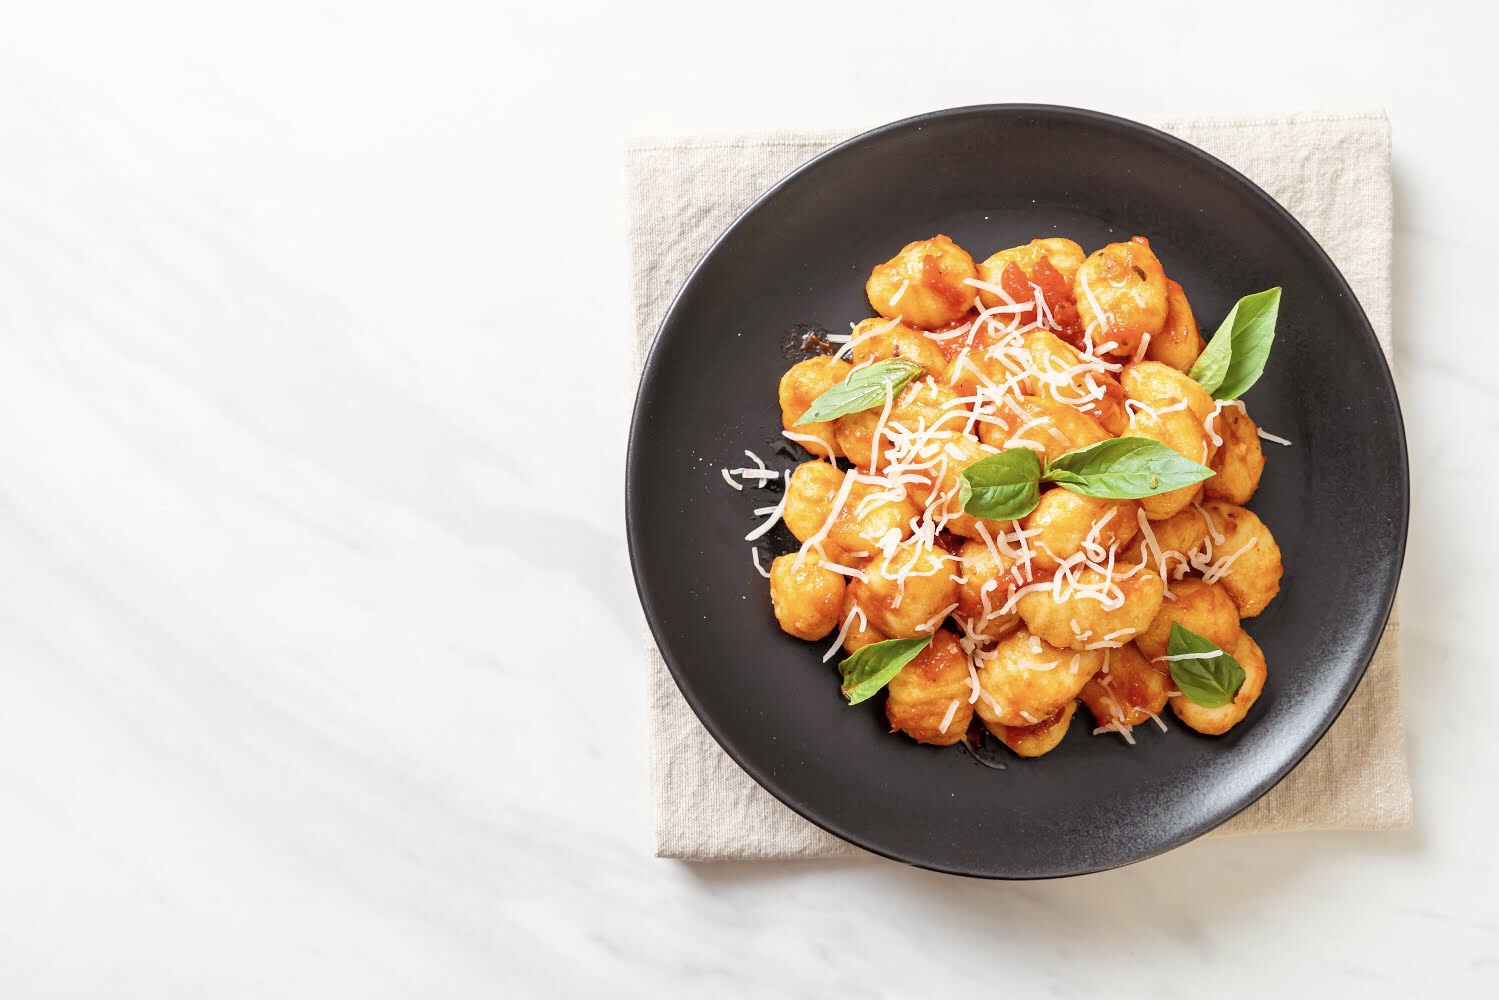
(293, 486)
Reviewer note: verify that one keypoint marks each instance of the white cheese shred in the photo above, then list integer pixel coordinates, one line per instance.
(827, 525)
(952, 710)
(936, 619)
(857, 574)
(1117, 727)
(1273, 437)
(775, 513)
(1140, 351)
(843, 632)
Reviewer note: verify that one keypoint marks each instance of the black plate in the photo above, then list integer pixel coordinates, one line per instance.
(992, 177)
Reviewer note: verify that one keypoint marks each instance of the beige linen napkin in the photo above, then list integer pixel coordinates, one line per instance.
(1331, 172)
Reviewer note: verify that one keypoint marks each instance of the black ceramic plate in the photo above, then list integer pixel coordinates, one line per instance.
(992, 177)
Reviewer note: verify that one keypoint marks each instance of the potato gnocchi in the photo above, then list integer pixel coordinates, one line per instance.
(1046, 348)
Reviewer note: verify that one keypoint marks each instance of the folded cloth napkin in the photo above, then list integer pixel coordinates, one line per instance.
(1332, 172)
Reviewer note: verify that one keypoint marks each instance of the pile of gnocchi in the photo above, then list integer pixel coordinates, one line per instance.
(965, 619)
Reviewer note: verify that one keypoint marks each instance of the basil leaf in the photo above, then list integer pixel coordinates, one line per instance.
(1002, 487)
(874, 666)
(1211, 682)
(1126, 468)
(1236, 356)
(862, 390)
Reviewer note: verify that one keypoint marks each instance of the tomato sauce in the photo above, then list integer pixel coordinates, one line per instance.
(951, 347)
(1039, 728)
(1055, 292)
(935, 282)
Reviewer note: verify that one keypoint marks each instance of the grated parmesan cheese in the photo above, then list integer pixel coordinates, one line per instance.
(843, 632)
(775, 513)
(952, 709)
(1272, 437)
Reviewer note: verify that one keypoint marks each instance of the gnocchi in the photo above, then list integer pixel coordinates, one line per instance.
(1239, 461)
(1217, 721)
(907, 593)
(1007, 619)
(1094, 609)
(1179, 343)
(1250, 567)
(1203, 607)
(986, 577)
(1064, 376)
(1121, 296)
(926, 284)
(1028, 679)
(806, 597)
(1048, 427)
(1039, 739)
(1128, 691)
(1065, 523)
(803, 383)
(928, 699)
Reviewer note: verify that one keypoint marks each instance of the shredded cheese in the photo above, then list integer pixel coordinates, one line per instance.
(827, 525)
(936, 619)
(1117, 727)
(952, 709)
(843, 632)
(869, 335)
(803, 439)
(775, 513)
(1220, 568)
(1140, 351)
(1272, 437)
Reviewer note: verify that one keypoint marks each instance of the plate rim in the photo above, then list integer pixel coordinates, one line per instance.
(649, 371)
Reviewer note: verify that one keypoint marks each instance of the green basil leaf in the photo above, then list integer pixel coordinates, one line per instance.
(1236, 356)
(1126, 468)
(863, 390)
(874, 666)
(1002, 487)
(1212, 364)
(1212, 681)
